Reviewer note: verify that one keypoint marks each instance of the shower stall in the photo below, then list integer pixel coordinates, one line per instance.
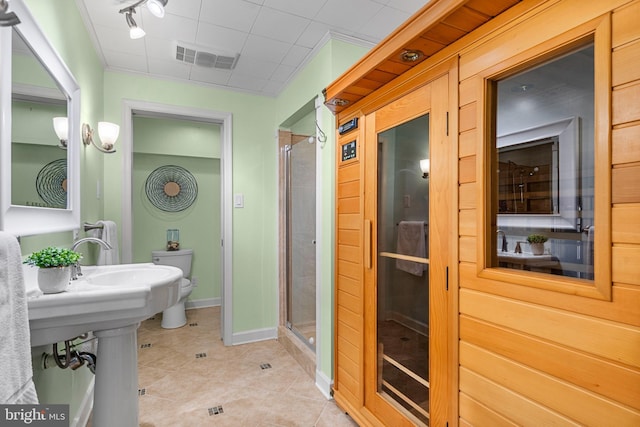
(299, 192)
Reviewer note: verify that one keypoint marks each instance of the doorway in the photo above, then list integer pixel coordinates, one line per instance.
(224, 120)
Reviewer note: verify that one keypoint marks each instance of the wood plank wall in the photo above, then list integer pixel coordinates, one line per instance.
(530, 356)
(349, 316)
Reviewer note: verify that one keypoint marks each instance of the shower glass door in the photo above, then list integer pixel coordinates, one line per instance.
(300, 184)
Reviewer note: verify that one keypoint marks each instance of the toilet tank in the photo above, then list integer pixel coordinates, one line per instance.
(181, 259)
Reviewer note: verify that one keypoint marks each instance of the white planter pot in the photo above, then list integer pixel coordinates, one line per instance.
(537, 248)
(54, 280)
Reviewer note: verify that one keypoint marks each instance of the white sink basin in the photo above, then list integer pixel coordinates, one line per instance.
(104, 297)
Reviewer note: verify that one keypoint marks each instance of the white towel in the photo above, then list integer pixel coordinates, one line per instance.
(110, 235)
(411, 241)
(16, 373)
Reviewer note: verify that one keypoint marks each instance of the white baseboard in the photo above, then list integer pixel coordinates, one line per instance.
(86, 406)
(254, 336)
(200, 303)
(324, 384)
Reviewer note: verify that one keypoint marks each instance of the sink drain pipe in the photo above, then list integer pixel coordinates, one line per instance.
(70, 359)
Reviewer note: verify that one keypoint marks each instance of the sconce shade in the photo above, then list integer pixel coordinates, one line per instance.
(156, 7)
(108, 133)
(61, 127)
(425, 165)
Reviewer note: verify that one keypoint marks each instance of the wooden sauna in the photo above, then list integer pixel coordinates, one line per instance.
(476, 129)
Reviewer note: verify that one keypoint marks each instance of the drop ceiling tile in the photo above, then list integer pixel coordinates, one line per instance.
(126, 62)
(246, 82)
(183, 29)
(254, 67)
(217, 37)
(210, 75)
(383, 23)
(312, 34)
(175, 69)
(409, 6)
(265, 49)
(296, 55)
(347, 15)
(282, 73)
(160, 49)
(186, 8)
(273, 88)
(119, 41)
(105, 13)
(239, 15)
(303, 8)
(279, 25)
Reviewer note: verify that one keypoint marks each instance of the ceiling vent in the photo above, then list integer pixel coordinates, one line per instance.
(197, 56)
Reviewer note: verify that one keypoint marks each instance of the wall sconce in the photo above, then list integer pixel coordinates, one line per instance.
(425, 165)
(108, 133)
(156, 7)
(61, 127)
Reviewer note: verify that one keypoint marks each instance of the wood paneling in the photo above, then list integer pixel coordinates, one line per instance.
(534, 349)
(507, 403)
(625, 184)
(625, 23)
(626, 144)
(625, 224)
(468, 224)
(614, 381)
(625, 105)
(624, 67)
(620, 343)
(626, 266)
(480, 414)
(552, 396)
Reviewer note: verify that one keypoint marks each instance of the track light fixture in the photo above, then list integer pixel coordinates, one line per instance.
(156, 7)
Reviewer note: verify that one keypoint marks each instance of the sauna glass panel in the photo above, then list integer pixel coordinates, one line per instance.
(402, 268)
(543, 164)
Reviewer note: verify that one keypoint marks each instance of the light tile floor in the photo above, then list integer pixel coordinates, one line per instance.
(187, 377)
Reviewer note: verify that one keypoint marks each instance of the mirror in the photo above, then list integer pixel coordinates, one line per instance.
(538, 177)
(39, 190)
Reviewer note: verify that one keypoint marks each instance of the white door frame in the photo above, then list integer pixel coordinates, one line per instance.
(224, 119)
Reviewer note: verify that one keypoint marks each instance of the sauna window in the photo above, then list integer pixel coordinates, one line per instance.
(542, 195)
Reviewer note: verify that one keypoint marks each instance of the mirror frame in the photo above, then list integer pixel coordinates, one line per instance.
(29, 220)
(567, 131)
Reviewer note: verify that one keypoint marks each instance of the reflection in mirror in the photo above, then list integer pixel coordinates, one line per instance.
(36, 100)
(544, 167)
(39, 182)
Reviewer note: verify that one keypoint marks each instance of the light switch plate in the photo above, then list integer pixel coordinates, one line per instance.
(238, 200)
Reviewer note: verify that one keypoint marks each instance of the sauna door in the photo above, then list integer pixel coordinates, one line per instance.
(406, 201)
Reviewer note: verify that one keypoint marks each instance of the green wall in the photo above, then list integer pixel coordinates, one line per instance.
(255, 119)
(254, 175)
(195, 147)
(331, 61)
(63, 26)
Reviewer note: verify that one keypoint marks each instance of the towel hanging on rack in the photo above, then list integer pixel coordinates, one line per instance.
(411, 241)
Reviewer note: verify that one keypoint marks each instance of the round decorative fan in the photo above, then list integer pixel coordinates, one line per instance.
(51, 183)
(171, 188)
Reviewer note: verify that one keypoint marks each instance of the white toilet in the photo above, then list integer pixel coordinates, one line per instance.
(174, 316)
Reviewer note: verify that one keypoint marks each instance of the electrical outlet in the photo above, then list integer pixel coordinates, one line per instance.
(194, 281)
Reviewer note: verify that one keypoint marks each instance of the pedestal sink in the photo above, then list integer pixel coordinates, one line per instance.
(111, 301)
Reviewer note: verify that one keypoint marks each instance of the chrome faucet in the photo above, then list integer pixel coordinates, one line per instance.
(76, 270)
(504, 240)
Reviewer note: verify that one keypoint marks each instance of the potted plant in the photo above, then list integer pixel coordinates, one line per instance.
(537, 243)
(54, 268)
